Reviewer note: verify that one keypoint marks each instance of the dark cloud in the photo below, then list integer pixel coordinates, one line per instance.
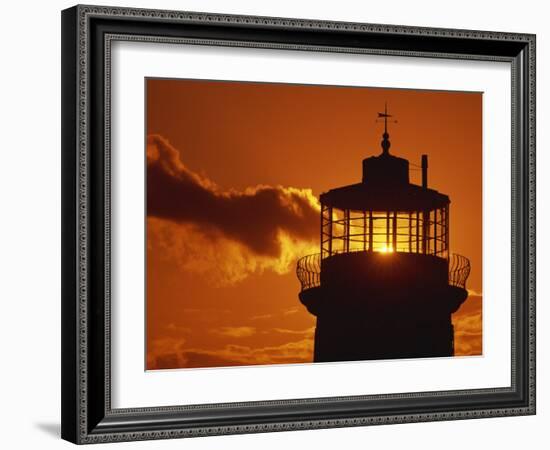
(257, 218)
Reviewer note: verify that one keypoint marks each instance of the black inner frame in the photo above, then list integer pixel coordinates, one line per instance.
(100, 418)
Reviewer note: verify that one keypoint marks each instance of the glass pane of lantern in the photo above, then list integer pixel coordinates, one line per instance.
(415, 228)
(442, 233)
(433, 217)
(338, 230)
(433, 239)
(325, 231)
(439, 233)
(381, 232)
(402, 233)
(356, 231)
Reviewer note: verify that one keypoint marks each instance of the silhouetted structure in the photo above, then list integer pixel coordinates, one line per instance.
(384, 285)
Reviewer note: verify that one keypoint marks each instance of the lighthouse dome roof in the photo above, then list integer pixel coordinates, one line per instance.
(368, 196)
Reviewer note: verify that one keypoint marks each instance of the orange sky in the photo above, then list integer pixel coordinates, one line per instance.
(250, 160)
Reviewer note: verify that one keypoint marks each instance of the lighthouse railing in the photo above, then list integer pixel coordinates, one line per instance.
(459, 270)
(308, 271)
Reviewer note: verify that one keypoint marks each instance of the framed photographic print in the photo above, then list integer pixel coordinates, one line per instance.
(280, 224)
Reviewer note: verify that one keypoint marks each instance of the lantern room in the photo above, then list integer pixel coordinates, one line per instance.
(385, 213)
(384, 284)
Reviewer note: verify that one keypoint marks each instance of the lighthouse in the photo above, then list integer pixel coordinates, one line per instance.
(384, 284)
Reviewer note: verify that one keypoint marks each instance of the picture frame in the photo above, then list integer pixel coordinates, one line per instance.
(87, 413)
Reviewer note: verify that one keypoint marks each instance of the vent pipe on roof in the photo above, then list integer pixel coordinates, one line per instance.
(425, 171)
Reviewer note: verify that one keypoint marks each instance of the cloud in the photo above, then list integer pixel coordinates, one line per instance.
(177, 329)
(468, 327)
(219, 260)
(164, 357)
(262, 317)
(474, 293)
(236, 332)
(165, 353)
(308, 331)
(255, 218)
(224, 235)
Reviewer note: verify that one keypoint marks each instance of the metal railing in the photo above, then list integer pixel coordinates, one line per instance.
(308, 271)
(459, 270)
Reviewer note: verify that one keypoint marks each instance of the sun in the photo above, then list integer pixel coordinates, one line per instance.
(385, 249)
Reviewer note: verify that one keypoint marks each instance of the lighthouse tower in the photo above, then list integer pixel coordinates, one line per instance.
(384, 284)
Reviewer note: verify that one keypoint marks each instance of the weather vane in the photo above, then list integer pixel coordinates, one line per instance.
(386, 142)
(385, 116)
